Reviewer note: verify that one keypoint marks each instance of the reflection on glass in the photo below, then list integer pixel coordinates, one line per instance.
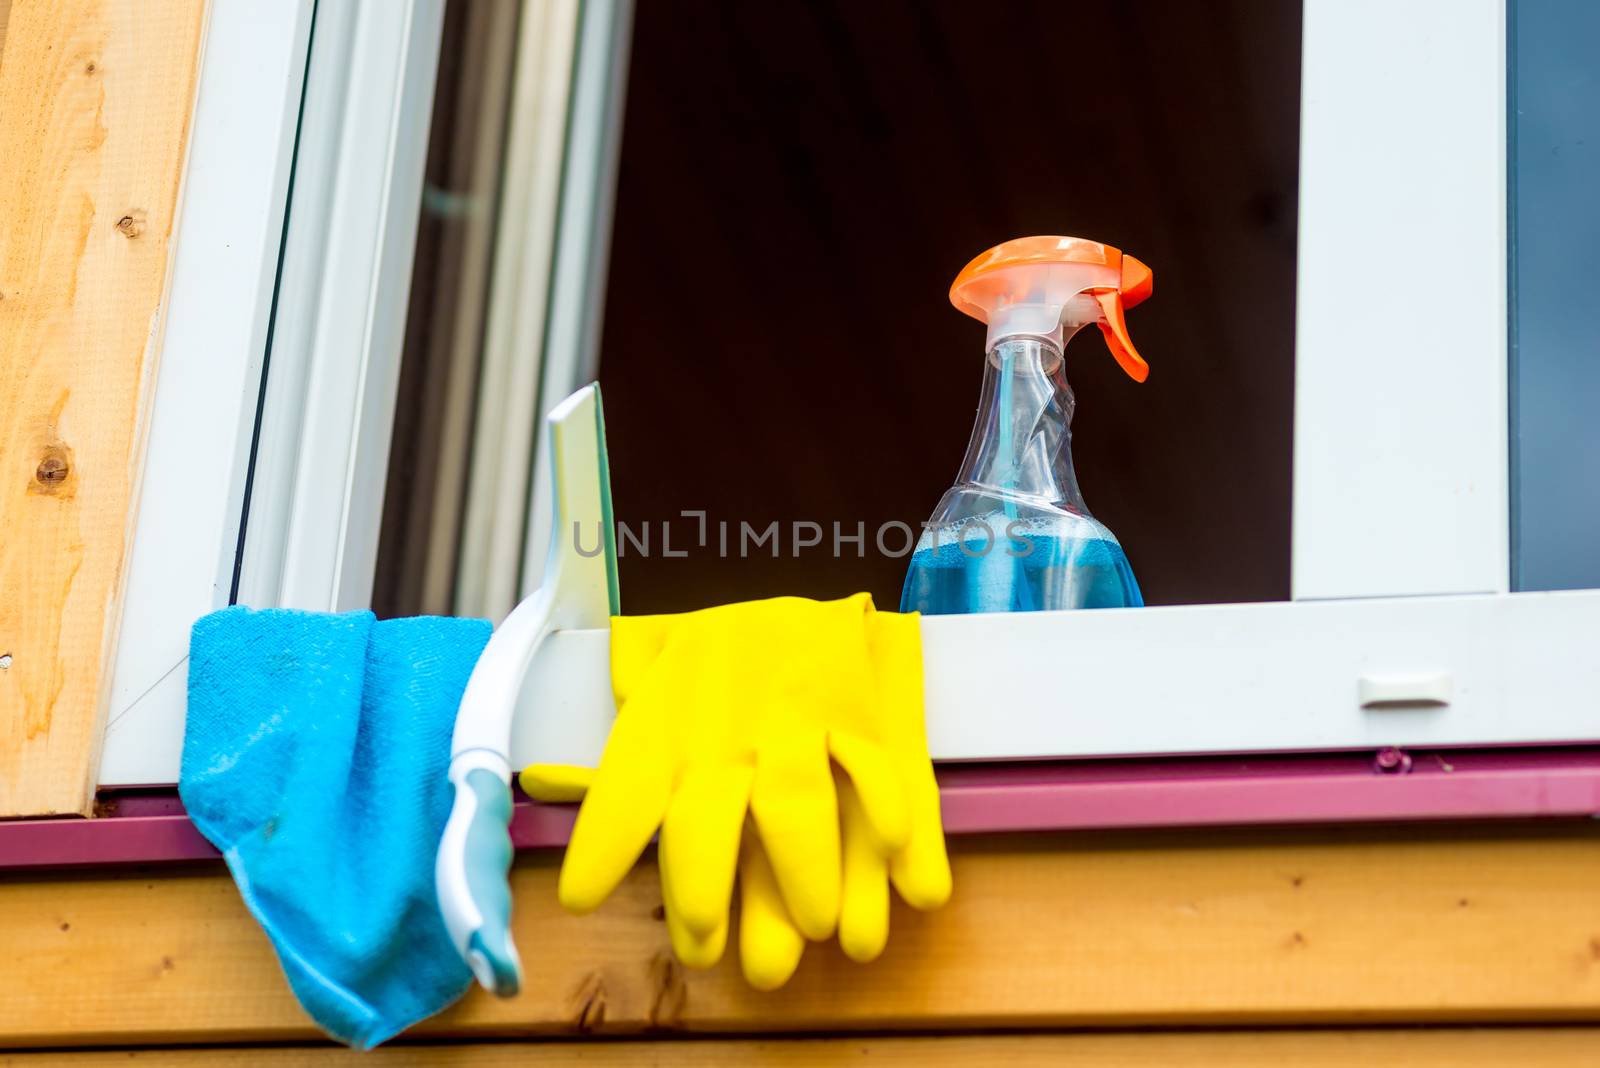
(1555, 315)
(429, 454)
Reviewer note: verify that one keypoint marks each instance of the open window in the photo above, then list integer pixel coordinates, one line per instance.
(1326, 487)
(778, 343)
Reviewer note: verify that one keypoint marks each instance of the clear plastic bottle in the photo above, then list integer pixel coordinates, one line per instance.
(1013, 534)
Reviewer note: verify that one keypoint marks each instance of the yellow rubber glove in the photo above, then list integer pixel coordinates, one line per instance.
(740, 708)
(770, 945)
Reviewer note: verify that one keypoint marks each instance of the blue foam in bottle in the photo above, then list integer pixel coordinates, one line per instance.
(1046, 572)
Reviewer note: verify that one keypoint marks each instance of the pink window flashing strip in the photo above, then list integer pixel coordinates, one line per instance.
(150, 826)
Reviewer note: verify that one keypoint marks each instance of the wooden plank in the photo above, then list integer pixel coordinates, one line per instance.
(96, 96)
(1218, 928)
(1454, 1048)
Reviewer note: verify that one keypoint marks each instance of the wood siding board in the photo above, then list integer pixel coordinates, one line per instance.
(1556, 1047)
(1044, 932)
(96, 97)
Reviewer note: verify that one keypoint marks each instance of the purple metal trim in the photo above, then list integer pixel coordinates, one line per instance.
(143, 828)
(1331, 788)
(150, 827)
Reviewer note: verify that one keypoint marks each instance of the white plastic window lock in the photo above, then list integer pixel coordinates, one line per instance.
(1416, 688)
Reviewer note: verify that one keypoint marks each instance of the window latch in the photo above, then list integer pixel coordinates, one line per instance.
(1419, 688)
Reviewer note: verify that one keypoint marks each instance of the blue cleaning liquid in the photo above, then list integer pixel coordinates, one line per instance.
(1027, 572)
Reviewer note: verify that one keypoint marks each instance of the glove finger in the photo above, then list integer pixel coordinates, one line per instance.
(769, 943)
(693, 950)
(921, 871)
(556, 783)
(625, 805)
(700, 845)
(878, 788)
(864, 908)
(797, 815)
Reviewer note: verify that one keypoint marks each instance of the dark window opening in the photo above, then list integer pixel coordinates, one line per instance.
(799, 184)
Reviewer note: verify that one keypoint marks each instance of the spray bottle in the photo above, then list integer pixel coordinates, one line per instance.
(1013, 533)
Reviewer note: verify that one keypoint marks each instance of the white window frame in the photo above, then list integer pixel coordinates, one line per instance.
(307, 285)
(322, 448)
(1401, 630)
(208, 381)
(1401, 414)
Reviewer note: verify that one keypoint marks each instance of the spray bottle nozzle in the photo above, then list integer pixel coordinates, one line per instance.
(1027, 286)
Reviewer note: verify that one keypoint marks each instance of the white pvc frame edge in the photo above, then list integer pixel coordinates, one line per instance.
(322, 456)
(230, 226)
(1401, 439)
(1511, 668)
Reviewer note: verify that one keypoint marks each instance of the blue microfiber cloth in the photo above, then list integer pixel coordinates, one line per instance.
(314, 757)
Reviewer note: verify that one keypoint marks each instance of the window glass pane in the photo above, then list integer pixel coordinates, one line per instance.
(429, 453)
(1555, 316)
